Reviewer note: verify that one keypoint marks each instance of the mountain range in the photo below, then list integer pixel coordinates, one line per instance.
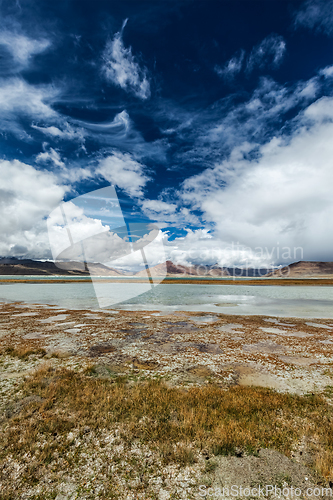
(302, 269)
(20, 267)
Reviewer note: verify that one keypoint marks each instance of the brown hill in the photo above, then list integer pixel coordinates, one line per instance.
(171, 269)
(158, 270)
(101, 270)
(20, 267)
(304, 269)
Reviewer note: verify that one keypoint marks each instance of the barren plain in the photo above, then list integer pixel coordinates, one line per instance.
(122, 404)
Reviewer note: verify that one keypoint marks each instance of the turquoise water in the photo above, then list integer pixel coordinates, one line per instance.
(289, 301)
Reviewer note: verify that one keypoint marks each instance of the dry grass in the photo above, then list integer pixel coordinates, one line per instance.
(173, 422)
(23, 352)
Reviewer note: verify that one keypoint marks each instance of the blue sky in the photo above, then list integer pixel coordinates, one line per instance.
(212, 118)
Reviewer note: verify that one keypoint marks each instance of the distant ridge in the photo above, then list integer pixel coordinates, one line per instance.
(178, 270)
(304, 269)
(172, 269)
(20, 267)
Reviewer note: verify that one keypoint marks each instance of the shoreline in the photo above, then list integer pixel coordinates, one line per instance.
(185, 281)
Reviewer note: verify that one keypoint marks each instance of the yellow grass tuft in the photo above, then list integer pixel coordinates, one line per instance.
(177, 424)
(23, 352)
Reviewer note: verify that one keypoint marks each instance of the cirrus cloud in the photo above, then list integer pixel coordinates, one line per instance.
(269, 52)
(317, 15)
(232, 67)
(121, 67)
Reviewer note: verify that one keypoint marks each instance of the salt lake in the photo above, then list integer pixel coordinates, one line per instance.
(280, 301)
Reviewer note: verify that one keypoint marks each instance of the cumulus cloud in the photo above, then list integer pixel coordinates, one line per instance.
(201, 248)
(280, 198)
(68, 225)
(27, 197)
(121, 67)
(232, 67)
(154, 254)
(198, 247)
(316, 14)
(158, 207)
(123, 171)
(269, 52)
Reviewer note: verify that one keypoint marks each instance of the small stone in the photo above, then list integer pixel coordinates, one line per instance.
(163, 495)
(238, 452)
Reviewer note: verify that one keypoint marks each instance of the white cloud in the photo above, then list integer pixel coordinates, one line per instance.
(121, 68)
(123, 171)
(269, 52)
(201, 248)
(79, 227)
(68, 132)
(239, 119)
(168, 210)
(154, 253)
(327, 72)
(157, 207)
(255, 119)
(198, 247)
(120, 133)
(50, 157)
(67, 172)
(73, 173)
(280, 198)
(232, 67)
(316, 14)
(18, 95)
(18, 98)
(21, 48)
(320, 110)
(120, 123)
(27, 196)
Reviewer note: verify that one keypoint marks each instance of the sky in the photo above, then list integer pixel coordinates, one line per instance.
(214, 119)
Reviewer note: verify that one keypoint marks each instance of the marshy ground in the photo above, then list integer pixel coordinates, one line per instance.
(119, 404)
